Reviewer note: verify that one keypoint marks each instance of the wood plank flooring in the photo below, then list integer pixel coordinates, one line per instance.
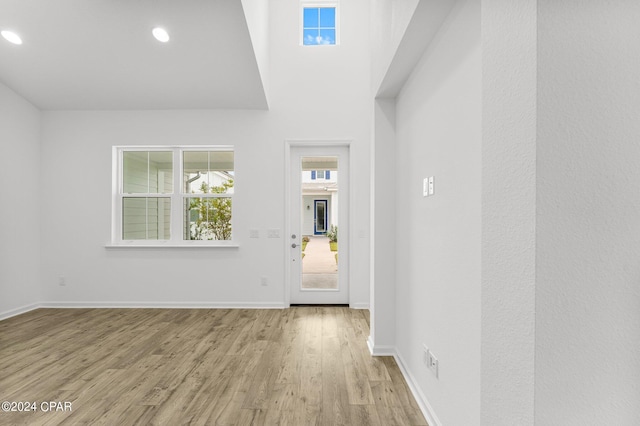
(298, 366)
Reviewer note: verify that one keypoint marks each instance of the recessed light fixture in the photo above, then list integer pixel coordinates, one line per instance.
(161, 34)
(11, 37)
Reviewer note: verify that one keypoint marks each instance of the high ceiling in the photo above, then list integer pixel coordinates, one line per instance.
(100, 54)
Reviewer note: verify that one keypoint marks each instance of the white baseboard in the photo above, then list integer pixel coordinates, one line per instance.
(380, 350)
(359, 305)
(424, 405)
(21, 310)
(165, 305)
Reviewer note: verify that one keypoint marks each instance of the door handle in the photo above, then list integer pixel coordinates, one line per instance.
(294, 245)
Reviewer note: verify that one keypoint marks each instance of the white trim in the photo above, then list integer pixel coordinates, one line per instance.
(164, 305)
(423, 403)
(18, 311)
(380, 350)
(176, 197)
(162, 245)
(361, 305)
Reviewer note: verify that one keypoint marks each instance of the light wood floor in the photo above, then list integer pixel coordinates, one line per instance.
(298, 366)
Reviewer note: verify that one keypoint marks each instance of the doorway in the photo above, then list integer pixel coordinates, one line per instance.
(318, 223)
(320, 217)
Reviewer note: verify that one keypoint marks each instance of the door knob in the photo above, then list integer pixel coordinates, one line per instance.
(294, 245)
(293, 236)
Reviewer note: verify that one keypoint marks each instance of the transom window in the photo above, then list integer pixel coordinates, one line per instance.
(180, 195)
(319, 25)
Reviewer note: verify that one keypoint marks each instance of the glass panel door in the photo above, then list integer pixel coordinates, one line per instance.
(318, 210)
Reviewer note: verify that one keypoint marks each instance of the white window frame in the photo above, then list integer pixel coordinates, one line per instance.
(315, 4)
(177, 199)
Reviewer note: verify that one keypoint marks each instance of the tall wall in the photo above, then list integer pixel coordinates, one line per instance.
(257, 16)
(316, 92)
(389, 20)
(508, 211)
(21, 210)
(588, 231)
(437, 239)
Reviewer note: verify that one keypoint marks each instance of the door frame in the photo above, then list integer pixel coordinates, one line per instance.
(289, 144)
(315, 215)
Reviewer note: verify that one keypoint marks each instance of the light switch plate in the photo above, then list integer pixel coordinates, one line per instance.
(431, 185)
(425, 187)
(273, 233)
(254, 233)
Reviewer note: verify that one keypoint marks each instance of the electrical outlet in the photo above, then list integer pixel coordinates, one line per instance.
(62, 282)
(431, 186)
(264, 282)
(432, 363)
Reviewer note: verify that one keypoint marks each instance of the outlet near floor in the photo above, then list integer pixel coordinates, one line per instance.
(430, 360)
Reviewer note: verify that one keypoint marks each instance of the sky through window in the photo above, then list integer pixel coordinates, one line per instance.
(319, 26)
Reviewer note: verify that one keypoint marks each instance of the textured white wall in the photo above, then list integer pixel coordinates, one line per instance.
(508, 210)
(588, 226)
(317, 93)
(20, 209)
(438, 133)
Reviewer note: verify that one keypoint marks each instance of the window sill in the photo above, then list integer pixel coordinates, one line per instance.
(170, 245)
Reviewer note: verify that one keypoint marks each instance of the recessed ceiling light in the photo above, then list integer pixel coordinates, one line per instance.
(160, 34)
(11, 37)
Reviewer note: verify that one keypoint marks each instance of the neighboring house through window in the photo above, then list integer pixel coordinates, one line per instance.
(179, 195)
(320, 174)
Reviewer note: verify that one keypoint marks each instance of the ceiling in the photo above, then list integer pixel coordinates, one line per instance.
(100, 54)
(319, 163)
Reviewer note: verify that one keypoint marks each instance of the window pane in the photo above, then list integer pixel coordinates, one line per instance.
(328, 17)
(146, 218)
(207, 218)
(310, 37)
(327, 37)
(161, 172)
(208, 172)
(310, 17)
(147, 172)
(135, 176)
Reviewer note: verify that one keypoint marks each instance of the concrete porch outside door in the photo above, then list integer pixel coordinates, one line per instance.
(319, 266)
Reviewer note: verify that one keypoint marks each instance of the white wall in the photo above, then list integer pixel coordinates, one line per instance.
(508, 211)
(317, 93)
(389, 20)
(21, 205)
(438, 133)
(383, 229)
(588, 227)
(257, 17)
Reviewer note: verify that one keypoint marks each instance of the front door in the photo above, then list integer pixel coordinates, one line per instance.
(320, 217)
(318, 240)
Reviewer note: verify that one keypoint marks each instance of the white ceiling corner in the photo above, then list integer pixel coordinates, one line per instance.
(101, 55)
